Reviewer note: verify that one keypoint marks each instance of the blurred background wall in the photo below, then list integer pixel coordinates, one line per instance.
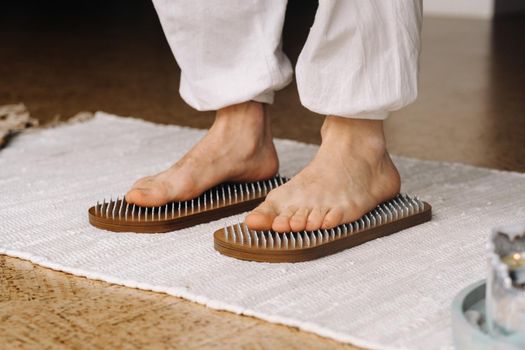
(473, 8)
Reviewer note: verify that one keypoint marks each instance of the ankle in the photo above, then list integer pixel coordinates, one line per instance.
(245, 112)
(248, 118)
(357, 135)
(247, 125)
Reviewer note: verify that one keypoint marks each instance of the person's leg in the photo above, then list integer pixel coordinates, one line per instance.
(359, 63)
(229, 52)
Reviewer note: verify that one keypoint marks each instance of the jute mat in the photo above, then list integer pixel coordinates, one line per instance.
(393, 292)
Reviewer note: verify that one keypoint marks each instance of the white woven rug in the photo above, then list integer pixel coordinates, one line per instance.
(390, 293)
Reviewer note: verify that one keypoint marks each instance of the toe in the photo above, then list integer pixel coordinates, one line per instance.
(315, 219)
(139, 190)
(147, 193)
(135, 196)
(143, 182)
(261, 218)
(298, 220)
(332, 218)
(282, 222)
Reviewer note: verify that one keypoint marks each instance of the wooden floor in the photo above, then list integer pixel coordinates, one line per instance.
(471, 109)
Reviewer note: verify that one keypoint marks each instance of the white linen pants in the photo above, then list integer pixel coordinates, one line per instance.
(360, 59)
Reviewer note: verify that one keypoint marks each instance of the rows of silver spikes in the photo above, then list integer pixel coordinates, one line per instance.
(218, 196)
(387, 212)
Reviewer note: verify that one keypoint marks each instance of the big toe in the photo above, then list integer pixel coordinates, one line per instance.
(261, 218)
(147, 194)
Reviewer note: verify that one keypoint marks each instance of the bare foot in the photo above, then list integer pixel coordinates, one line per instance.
(238, 147)
(351, 174)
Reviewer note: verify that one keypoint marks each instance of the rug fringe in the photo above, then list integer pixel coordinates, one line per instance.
(15, 119)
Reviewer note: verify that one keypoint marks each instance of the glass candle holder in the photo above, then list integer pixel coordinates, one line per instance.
(505, 294)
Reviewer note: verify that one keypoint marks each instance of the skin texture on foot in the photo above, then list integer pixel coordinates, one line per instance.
(351, 174)
(237, 148)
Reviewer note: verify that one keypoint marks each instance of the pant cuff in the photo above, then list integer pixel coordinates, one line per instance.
(373, 116)
(265, 97)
